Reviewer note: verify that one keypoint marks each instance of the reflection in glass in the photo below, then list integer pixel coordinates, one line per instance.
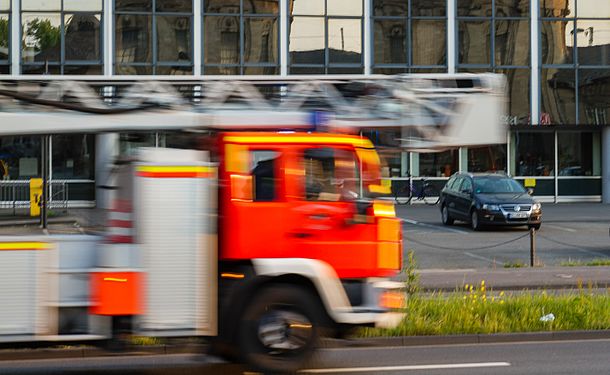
(221, 6)
(308, 7)
(307, 40)
(593, 100)
(344, 8)
(174, 38)
(557, 9)
(221, 42)
(306, 70)
(20, 156)
(261, 70)
(438, 164)
(174, 6)
(40, 69)
(428, 8)
(5, 69)
(41, 37)
(133, 39)
(535, 154)
(261, 7)
(133, 5)
(177, 70)
(73, 156)
(80, 5)
(593, 8)
(558, 96)
(344, 40)
(556, 41)
(83, 70)
(390, 8)
(38, 5)
(475, 8)
(429, 42)
(512, 42)
(133, 69)
(5, 4)
(512, 8)
(518, 82)
(390, 41)
(575, 154)
(260, 40)
(4, 37)
(474, 42)
(487, 159)
(390, 71)
(82, 36)
(593, 41)
(354, 70)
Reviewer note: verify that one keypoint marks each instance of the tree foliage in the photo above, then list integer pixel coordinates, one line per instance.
(43, 33)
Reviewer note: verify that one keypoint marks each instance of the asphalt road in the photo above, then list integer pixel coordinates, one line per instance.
(570, 232)
(565, 357)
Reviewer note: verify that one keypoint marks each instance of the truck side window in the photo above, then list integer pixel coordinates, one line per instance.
(330, 174)
(263, 166)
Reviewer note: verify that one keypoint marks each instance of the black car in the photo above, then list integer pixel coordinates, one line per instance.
(488, 199)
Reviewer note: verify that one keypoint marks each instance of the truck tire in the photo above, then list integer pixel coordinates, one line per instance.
(280, 328)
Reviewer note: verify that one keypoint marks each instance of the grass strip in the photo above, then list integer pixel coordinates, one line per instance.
(478, 311)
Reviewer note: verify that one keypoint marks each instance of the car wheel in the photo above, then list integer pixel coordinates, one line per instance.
(535, 226)
(474, 220)
(445, 217)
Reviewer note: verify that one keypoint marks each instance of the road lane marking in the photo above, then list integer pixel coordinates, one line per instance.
(437, 227)
(405, 368)
(480, 257)
(561, 228)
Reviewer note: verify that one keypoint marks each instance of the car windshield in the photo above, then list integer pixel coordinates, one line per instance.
(497, 185)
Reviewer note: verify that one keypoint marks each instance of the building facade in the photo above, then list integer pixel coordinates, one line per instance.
(554, 53)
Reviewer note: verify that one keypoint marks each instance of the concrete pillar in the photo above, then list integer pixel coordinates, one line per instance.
(106, 150)
(606, 164)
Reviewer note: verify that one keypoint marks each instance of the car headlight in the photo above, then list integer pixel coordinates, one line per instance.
(536, 207)
(491, 207)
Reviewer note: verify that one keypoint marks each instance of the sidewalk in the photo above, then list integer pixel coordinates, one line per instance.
(516, 278)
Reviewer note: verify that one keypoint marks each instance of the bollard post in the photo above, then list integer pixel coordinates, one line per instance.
(532, 247)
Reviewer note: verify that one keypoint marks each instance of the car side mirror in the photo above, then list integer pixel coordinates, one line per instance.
(530, 191)
(467, 191)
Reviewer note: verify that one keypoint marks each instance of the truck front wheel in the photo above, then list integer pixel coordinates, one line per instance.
(280, 328)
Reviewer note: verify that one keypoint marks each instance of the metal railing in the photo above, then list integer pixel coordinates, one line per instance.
(15, 195)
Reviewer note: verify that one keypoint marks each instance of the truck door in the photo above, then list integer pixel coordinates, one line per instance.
(322, 212)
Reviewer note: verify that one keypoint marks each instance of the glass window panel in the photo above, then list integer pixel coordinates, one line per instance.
(133, 5)
(221, 39)
(390, 8)
(261, 70)
(556, 42)
(344, 8)
(593, 8)
(174, 38)
(345, 40)
(5, 4)
(38, 5)
(73, 156)
(4, 37)
(82, 39)
(306, 70)
(5, 69)
(133, 70)
(221, 70)
(307, 40)
(261, 7)
(177, 70)
(557, 9)
(263, 166)
(260, 40)
(41, 37)
(511, 37)
(487, 159)
(518, 82)
(308, 7)
(558, 96)
(593, 98)
(83, 69)
(575, 153)
(535, 154)
(478, 8)
(512, 8)
(174, 6)
(474, 42)
(83, 5)
(21, 156)
(133, 38)
(429, 42)
(390, 41)
(429, 8)
(40, 69)
(438, 164)
(390, 71)
(593, 41)
(429, 70)
(222, 6)
(354, 70)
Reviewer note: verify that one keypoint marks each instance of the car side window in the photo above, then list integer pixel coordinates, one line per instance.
(457, 181)
(466, 185)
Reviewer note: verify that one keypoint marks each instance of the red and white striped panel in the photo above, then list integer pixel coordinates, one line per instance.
(120, 222)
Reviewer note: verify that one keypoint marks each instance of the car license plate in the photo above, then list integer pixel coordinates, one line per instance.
(518, 215)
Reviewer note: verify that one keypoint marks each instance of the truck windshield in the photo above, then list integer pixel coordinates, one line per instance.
(331, 174)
